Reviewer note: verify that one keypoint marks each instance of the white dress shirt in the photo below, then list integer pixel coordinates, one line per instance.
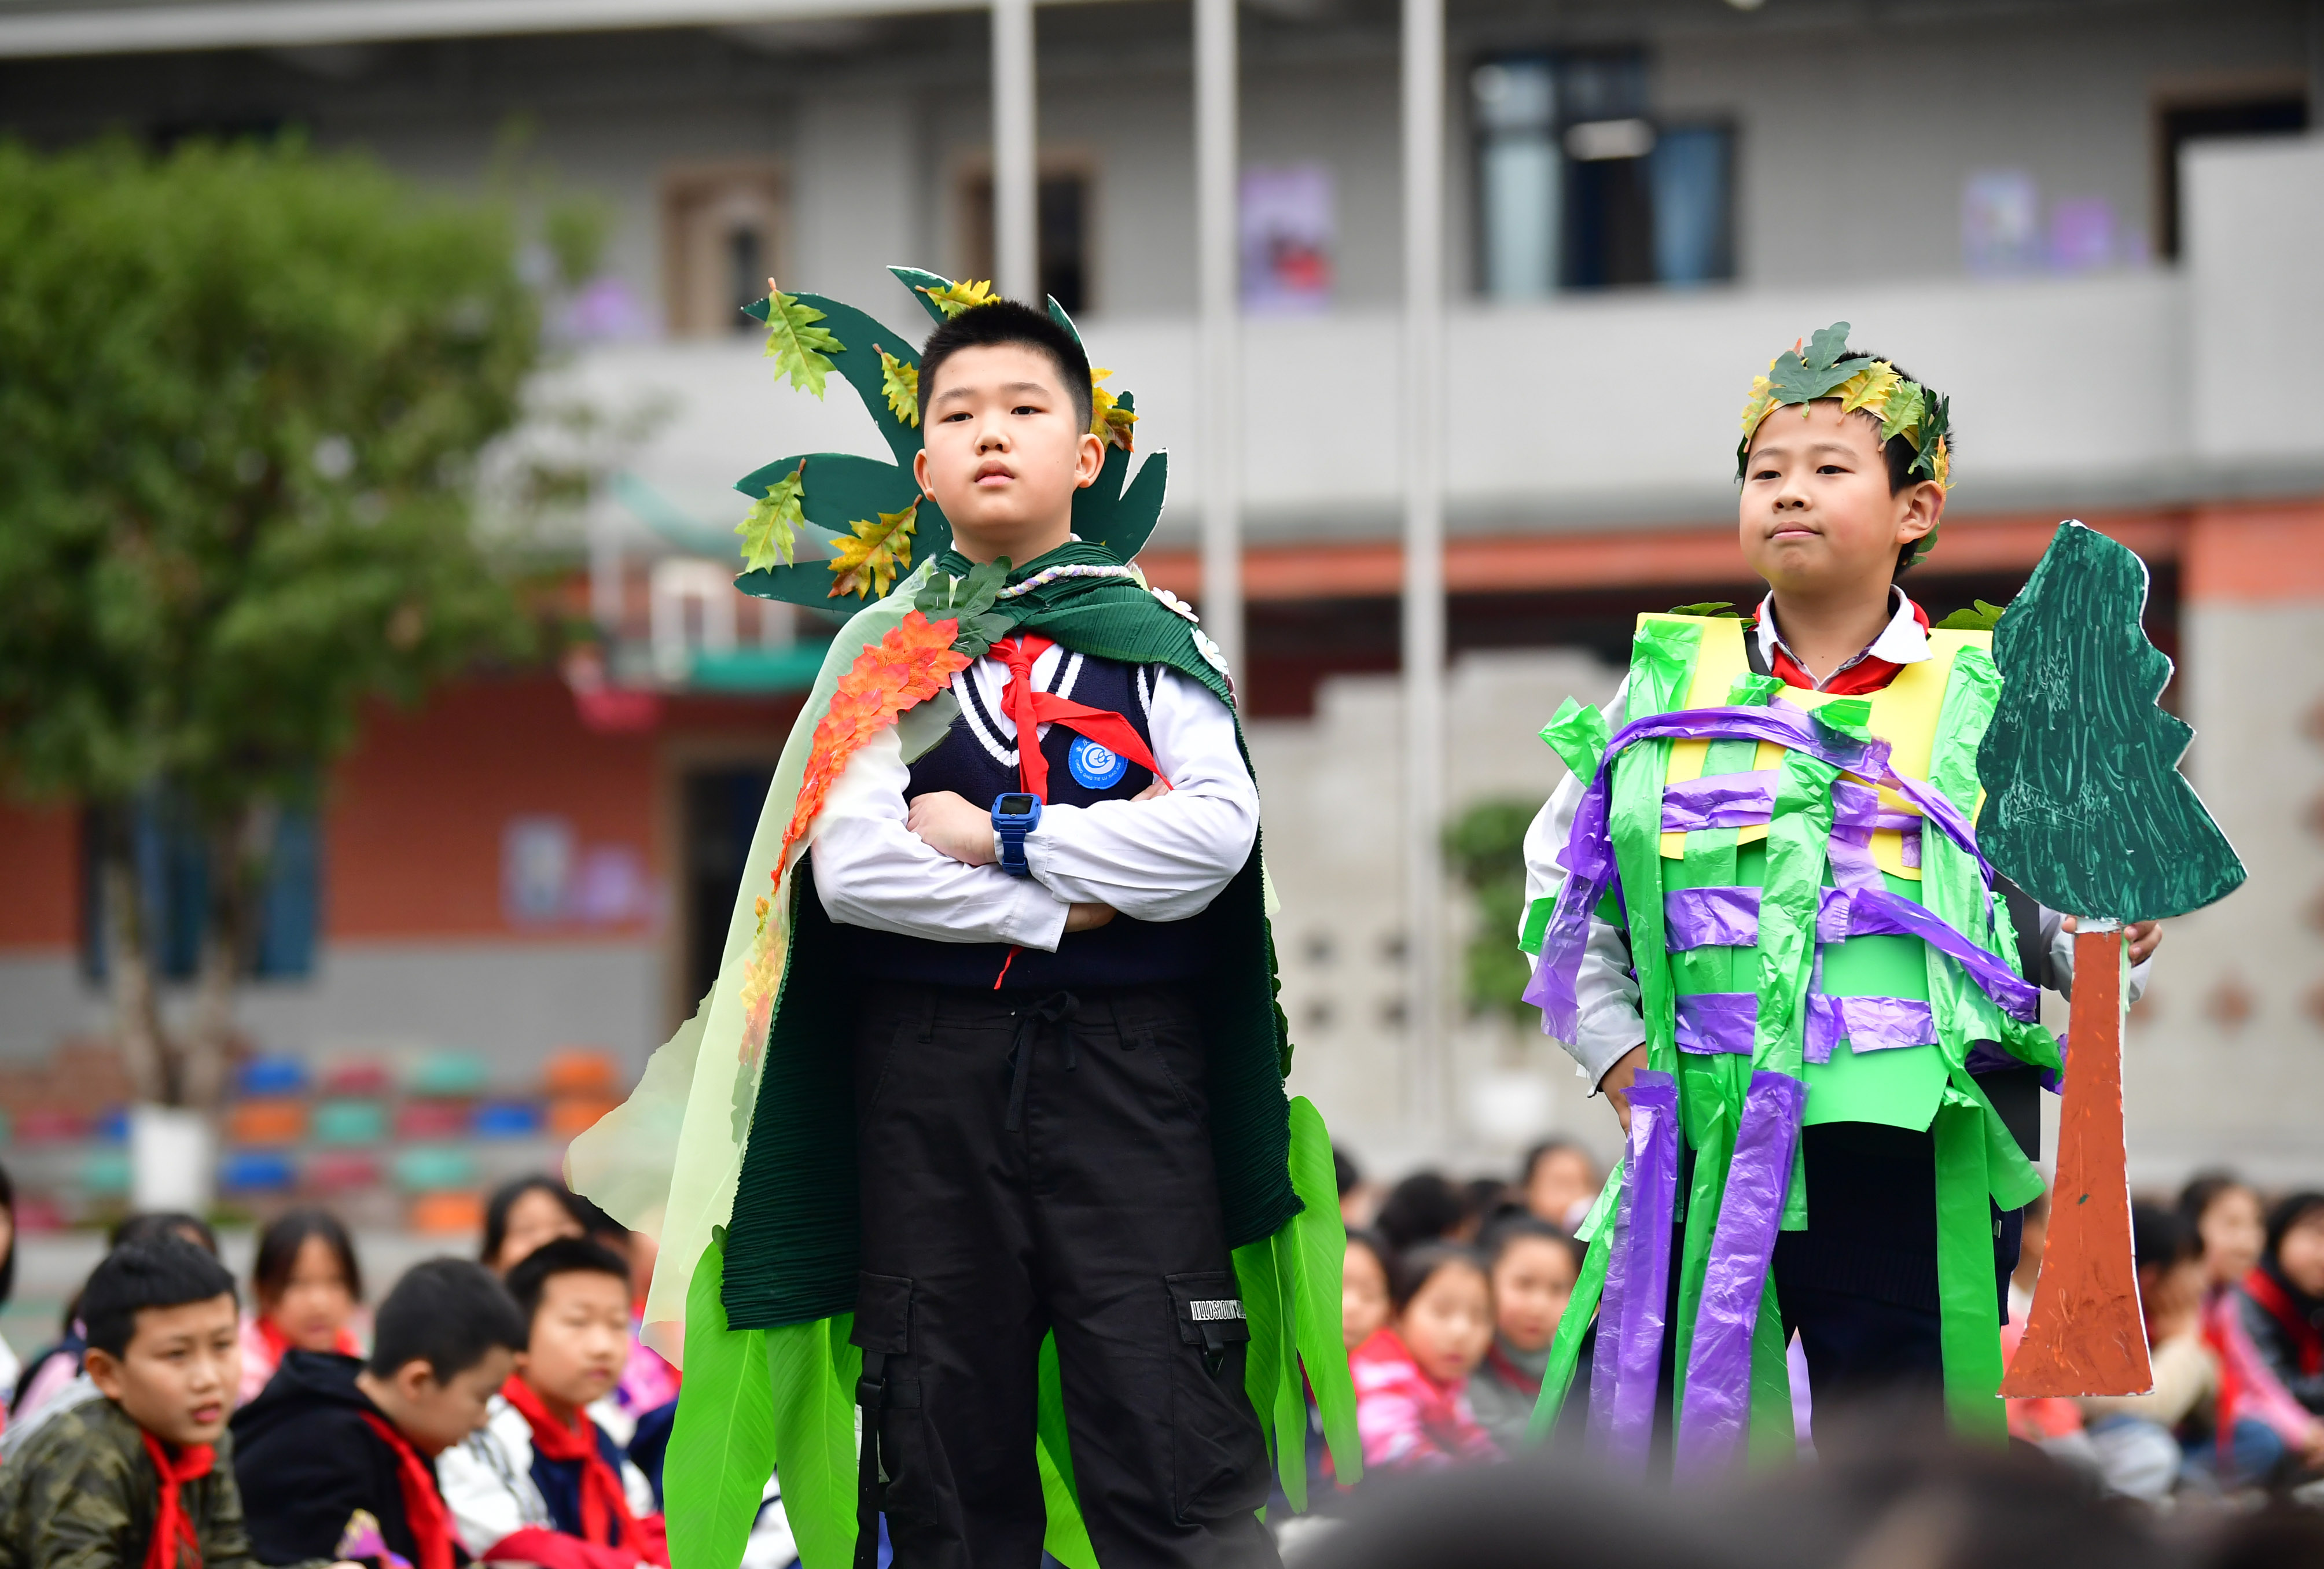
(1159, 859)
(1609, 1020)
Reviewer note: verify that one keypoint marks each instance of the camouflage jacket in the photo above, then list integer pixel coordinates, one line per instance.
(82, 1494)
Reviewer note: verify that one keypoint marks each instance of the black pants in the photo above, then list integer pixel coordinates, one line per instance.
(1032, 1164)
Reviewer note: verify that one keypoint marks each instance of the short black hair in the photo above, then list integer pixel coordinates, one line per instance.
(2290, 1211)
(528, 1282)
(1345, 1172)
(503, 1199)
(1553, 1145)
(1005, 321)
(2159, 1237)
(151, 1225)
(1423, 1208)
(1412, 1270)
(449, 1313)
(1510, 1230)
(279, 1246)
(2207, 1187)
(164, 1272)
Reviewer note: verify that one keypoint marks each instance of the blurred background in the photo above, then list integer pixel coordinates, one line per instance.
(384, 738)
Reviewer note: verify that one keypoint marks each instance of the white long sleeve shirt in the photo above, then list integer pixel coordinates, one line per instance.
(1607, 992)
(1159, 859)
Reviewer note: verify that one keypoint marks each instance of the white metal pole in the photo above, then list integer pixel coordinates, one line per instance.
(1426, 1016)
(1016, 167)
(1216, 82)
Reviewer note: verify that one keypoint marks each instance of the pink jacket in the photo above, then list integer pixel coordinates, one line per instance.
(1408, 1421)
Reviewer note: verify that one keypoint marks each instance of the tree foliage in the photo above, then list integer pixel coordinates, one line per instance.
(1485, 848)
(244, 389)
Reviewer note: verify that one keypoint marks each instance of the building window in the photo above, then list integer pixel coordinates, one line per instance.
(720, 241)
(1062, 225)
(173, 871)
(2280, 113)
(1579, 187)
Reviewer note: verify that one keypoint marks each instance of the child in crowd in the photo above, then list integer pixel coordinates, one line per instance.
(1364, 1273)
(1424, 1207)
(1412, 1377)
(2230, 1229)
(334, 1456)
(144, 1471)
(1560, 1182)
(524, 1212)
(2135, 1437)
(304, 1287)
(2280, 1306)
(1532, 1266)
(540, 1481)
(53, 1383)
(640, 1410)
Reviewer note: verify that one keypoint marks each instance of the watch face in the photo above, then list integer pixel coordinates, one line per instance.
(1015, 805)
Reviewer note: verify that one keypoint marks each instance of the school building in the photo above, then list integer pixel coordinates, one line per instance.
(2095, 226)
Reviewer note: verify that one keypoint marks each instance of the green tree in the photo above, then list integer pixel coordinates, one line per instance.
(244, 389)
(1485, 847)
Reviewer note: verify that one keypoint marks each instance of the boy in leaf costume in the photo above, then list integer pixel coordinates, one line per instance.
(982, 1130)
(1767, 934)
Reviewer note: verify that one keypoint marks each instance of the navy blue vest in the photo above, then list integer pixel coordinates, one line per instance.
(974, 760)
(559, 1482)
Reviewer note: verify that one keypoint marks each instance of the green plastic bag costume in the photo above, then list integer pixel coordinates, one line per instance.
(736, 1150)
(1816, 941)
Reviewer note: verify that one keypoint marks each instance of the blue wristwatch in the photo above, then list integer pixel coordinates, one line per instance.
(1015, 814)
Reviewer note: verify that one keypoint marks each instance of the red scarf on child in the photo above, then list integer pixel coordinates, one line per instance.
(423, 1506)
(1869, 674)
(2307, 1343)
(604, 1504)
(171, 1524)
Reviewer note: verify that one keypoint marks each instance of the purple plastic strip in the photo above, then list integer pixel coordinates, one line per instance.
(1730, 918)
(1714, 1023)
(1652, 1174)
(1716, 1413)
(1748, 801)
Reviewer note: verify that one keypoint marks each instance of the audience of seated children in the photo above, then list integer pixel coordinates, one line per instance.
(1532, 1266)
(144, 1471)
(1412, 1374)
(53, 1382)
(2258, 1431)
(539, 1482)
(304, 1290)
(524, 1212)
(336, 1456)
(1559, 1182)
(1364, 1273)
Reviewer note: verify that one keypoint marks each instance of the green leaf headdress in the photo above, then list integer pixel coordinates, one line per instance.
(1825, 369)
(824, 525)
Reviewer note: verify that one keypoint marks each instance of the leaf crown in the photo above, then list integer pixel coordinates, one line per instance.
(1825, 369)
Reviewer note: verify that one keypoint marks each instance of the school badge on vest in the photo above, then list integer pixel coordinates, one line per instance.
(1093, 767)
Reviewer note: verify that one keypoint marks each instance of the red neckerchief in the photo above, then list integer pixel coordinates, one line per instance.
(1511, 1373)
(282, 1345)
(1030, 708)
(171, 1524)
(423, 1506)
(605, 1515)
(1868, 674)
(2268, 1291)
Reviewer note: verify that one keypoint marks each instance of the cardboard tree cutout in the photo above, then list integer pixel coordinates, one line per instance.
(2086, 810)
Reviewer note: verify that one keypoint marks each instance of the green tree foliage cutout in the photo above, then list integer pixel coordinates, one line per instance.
(2085, 807)
(245, 389)
(1485, 848)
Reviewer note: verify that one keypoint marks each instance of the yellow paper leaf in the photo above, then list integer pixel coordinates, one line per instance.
(901, 384)
(1109, 418)
(1869, 388)
(954, 298)
(870, 558)
(770, 533)
(799, 349)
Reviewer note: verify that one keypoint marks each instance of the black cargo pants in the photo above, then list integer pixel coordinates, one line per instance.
(1040, 1163)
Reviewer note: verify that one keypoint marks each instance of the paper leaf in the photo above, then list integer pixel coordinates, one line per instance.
(901, 384)
(1724, 608)
(954, 298)
(770, 533)
(799, 349)
(870, 558)
(1110, 417)
(1869, 388)
(1981, 616)
(724, 1435)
